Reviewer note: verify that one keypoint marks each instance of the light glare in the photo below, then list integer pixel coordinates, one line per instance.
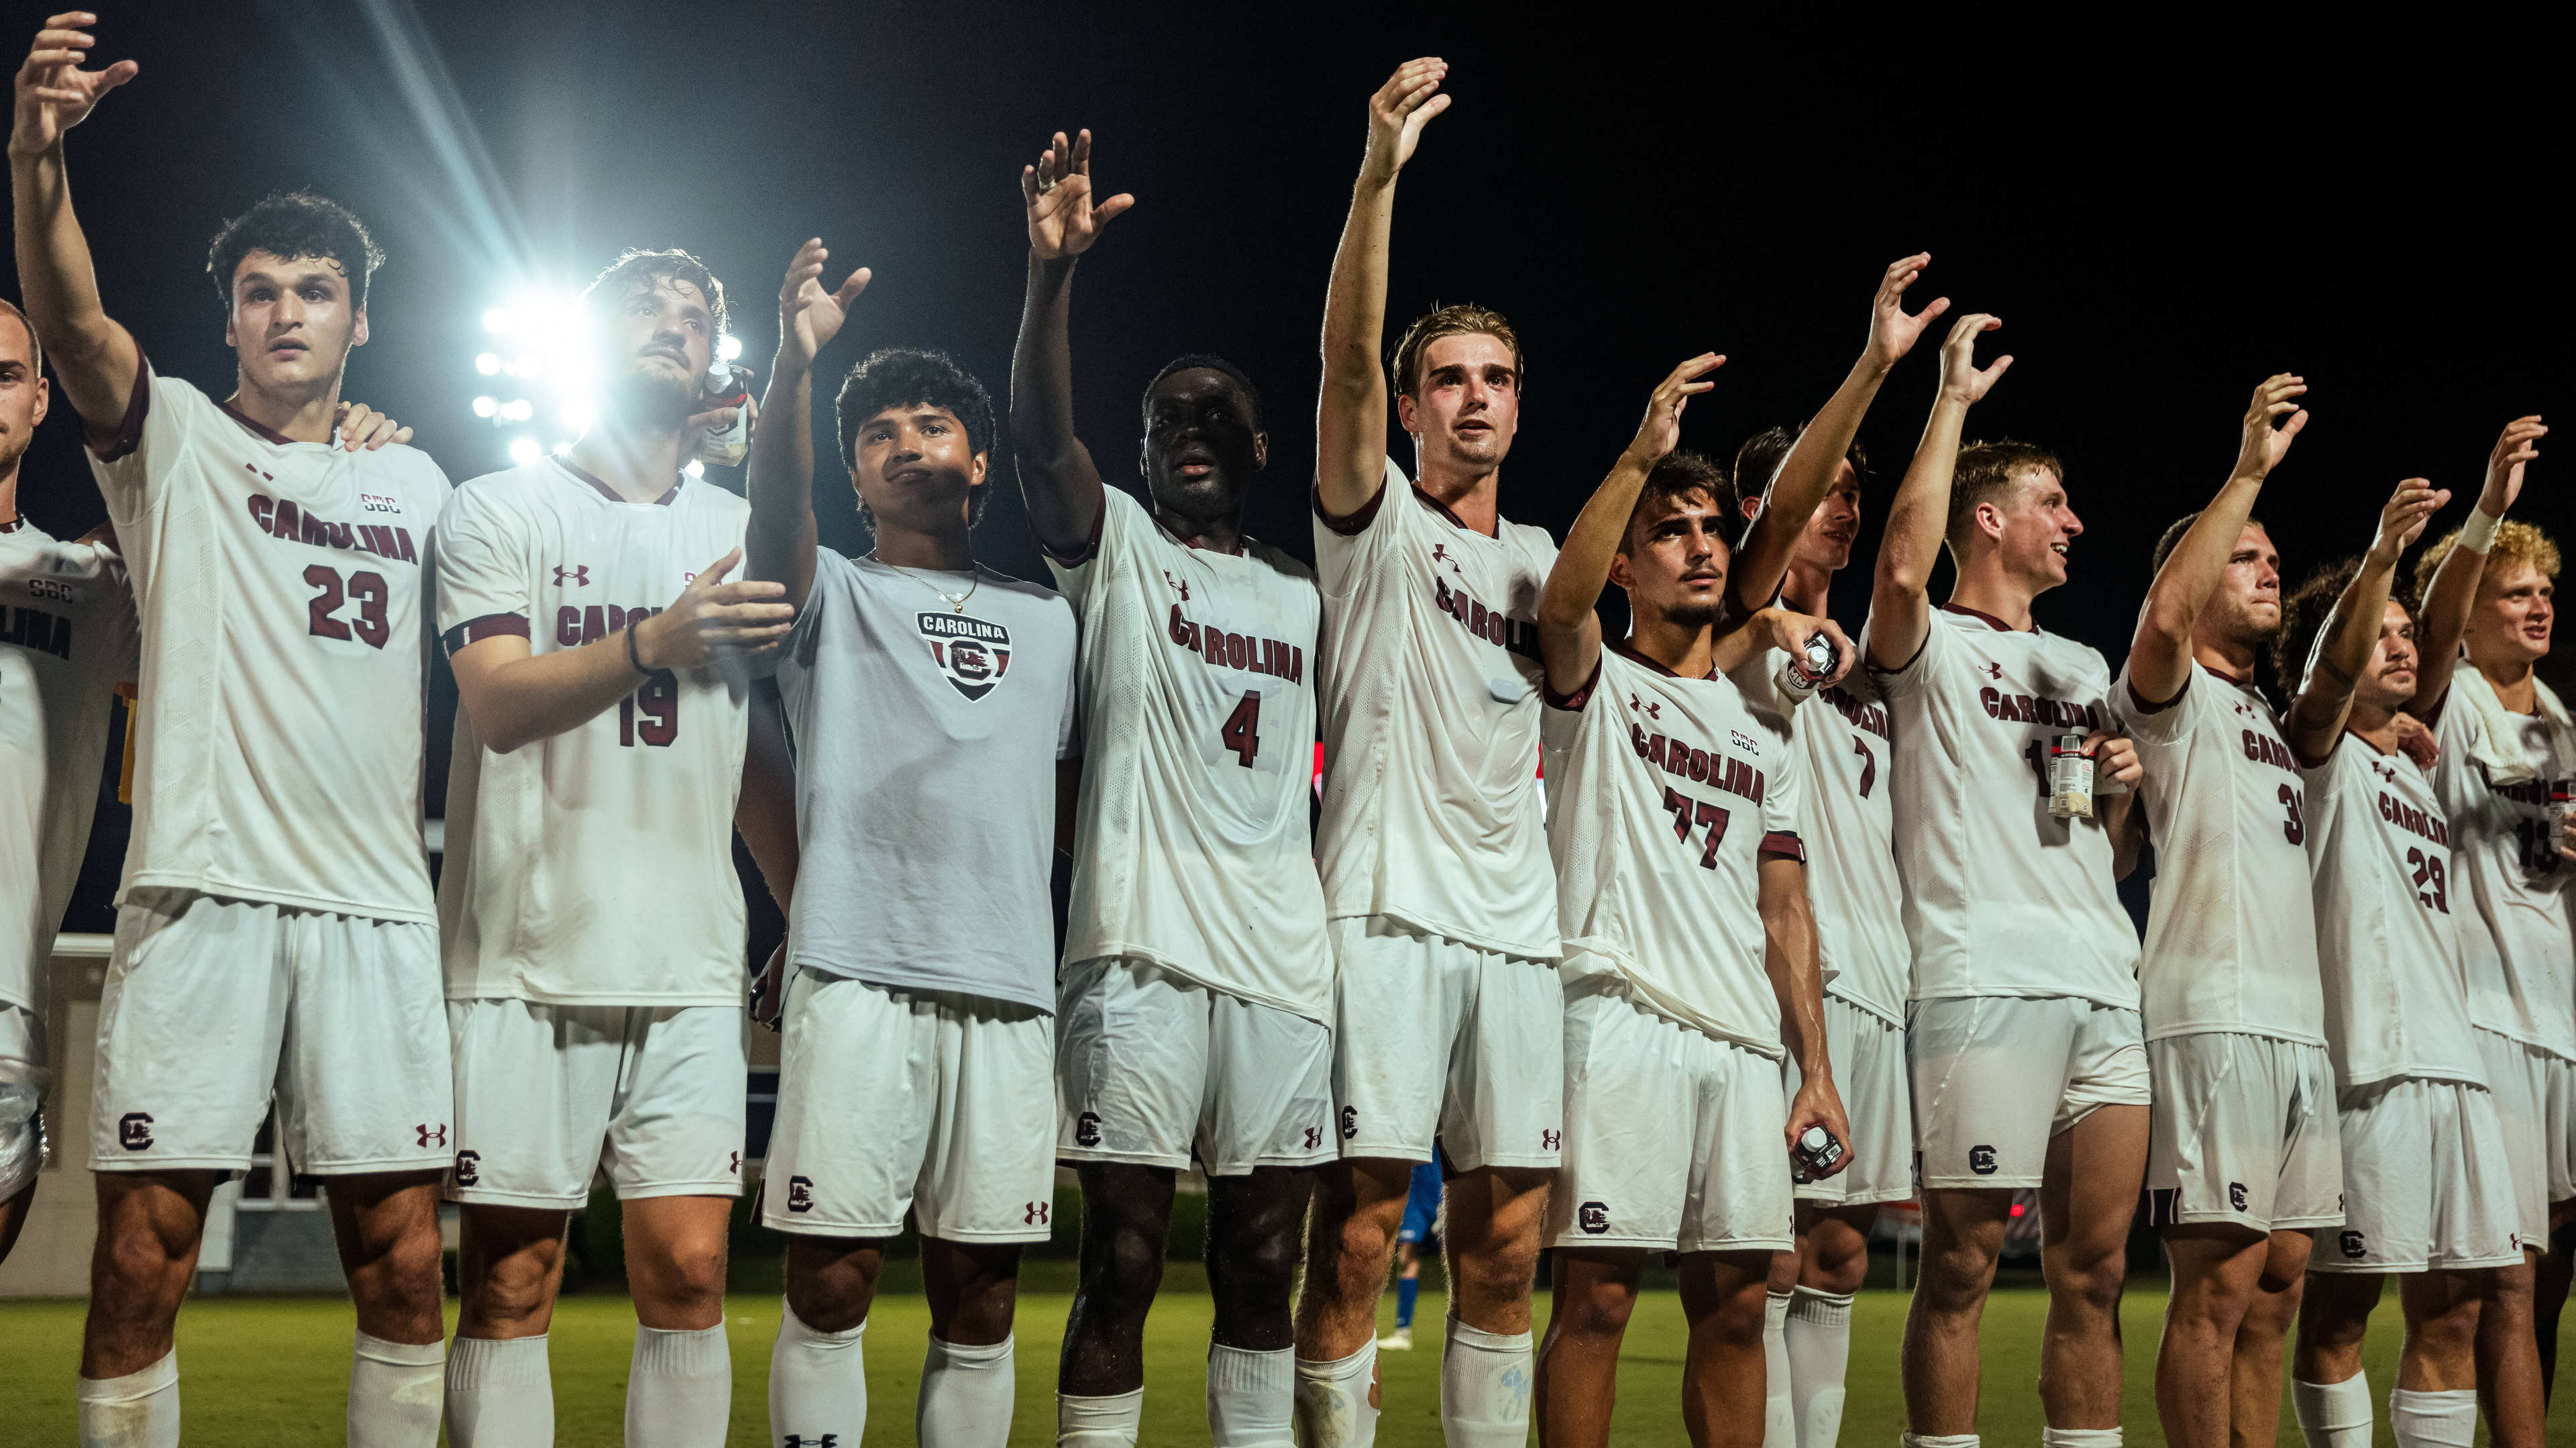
(497, 320)
(486, 406)
(487, 364)
(524, 451)
(695, 469)
(730, 347)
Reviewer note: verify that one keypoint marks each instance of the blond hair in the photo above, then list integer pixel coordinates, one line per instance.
(2515, 542)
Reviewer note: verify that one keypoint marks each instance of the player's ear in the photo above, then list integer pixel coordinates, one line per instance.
(975, 475)
(1404, 414)
(1620, 574)
(1145, 461)
(1990, 520)
(358, 338)
(1260, 451)
(44, 399)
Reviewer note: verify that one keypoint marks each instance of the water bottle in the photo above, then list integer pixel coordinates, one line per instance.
(2070, 778)
(728, 386)
(1805, 671)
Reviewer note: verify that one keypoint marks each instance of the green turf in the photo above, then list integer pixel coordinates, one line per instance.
(274, 1371)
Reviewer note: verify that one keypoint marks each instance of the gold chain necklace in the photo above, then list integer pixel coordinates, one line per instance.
(956, 601)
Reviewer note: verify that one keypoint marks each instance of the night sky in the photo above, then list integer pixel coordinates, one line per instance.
(2160, 221)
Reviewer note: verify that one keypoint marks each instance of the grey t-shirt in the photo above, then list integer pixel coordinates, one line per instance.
(926, 743)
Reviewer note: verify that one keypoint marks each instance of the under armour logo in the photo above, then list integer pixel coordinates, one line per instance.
(2244, 710)
(264, 473)
(798, 1440)
(1548, 1139)
(1440, 554)
(735, 1166)
(1182, 584)
(427, 1132)
(1036, 1215)
(1992, 670)
(1314, 1137)
(2385, 771)
(1086, 1129)
(579, 575)
(134, 1131)
(1654, 708)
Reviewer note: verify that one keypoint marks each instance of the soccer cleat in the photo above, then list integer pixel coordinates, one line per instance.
(1400, 1340)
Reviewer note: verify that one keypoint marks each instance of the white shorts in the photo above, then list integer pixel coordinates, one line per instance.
(549, 1096)
(2427, 1182)
(23, 1080)
(2535, 1099)
(213, 1004)
(1674, 1140)
(937, 1104)
(2243, 1131)
(1995, 1077)
(1869, 1074)
(1156, 1069)
(1441, 1040)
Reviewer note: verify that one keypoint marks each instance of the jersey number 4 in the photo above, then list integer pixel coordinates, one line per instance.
(1242, 731)
(1688, 812)
(369, 589)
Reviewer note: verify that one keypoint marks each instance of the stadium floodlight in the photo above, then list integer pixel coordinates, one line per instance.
(524, 451)
(730, 347)
(497, 320)
(539, 344)
(486, 406)
(488, 364)
(518, 409)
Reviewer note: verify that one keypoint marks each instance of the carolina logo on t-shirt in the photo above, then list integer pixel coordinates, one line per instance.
(971, 654)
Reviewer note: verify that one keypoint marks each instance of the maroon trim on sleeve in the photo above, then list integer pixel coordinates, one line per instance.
(107, 447)
(1571, 703)
(13, 525)
(1091, 545)
(1911, 659)
(1352, 523)
(2150, 706)
(489, 626)
(1785, 844)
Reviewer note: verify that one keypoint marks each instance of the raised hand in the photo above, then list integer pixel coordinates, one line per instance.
(1062, 219)
(1892, 332)
(713, 619)
(1661, 432)
(362, 426)
(2265, 445)
(1790, 632)
(1399, 111)
(1961, 379)
(694, 432)
(54, 93)
(808, 316)
(2415, 741)
(2403, 519)
(2518, 445)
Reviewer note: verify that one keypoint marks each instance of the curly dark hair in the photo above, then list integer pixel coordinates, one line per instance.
(1987, 473)
(637, 269)
(1761, 454)
(902, 377)
(292, 224)
(2304, 611)
(1214, 363)
(1683, 473)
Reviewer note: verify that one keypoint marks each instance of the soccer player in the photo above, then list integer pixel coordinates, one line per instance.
(2244, 1159)
(1196, 996)
(2427, 1186)
(592, 922)
(2022, 1029)
(1690, 963)
(67, 638)
(933, 708)
(276, 930)
(2507, 744)
(1418, 1233)
(1432, 847)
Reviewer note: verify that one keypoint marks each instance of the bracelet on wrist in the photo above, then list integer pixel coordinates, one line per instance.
(633, 661)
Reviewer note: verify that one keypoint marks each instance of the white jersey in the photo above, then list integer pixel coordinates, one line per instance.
(1431, 812)
(67, 639)
(1663, 795)
(1192, 848)
(1847, 816)
(595, 866)
(2521, 956)
(2389, 921)
(2002, 898)
(281, 587)
(2231, 935)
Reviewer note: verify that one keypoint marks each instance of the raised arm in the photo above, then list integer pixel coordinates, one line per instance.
(1057, 478)
(1916, 522)
(1789, 958)
(765, 814)
(1808, 471)
(2160, 654)
(780, 479)
(1569, 631)
(2454, 590)
(2351, 632)
(1350, 416)
(94, 358)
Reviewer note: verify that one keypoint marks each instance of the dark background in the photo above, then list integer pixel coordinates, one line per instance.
(2161, 219)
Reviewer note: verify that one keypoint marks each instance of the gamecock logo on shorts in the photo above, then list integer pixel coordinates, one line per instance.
(467, 1163)
(1981, 1160)
(800, 1194)
(1086, 1129)
(1593, 1217)
(1350, 1122)
(2236, 1195)
(134, 1131)
(972, 654)
(2352, 1244)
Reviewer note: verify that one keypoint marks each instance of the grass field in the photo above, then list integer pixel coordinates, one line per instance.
(274, 1371)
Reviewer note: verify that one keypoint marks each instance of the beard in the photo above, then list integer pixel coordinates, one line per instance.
(1695, 615)
(657, 400)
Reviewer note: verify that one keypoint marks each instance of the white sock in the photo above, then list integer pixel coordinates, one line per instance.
(499, 1393)
(966, 1396)
(1251, 1396)
(818, 1384)
(1484, 1388)
(1939, 1440)
(1779, 1416)
(2079, 1438)
(139, 1410)
(1333, 1407)
(1109, 1422)
(679, 1388)
(1818, 1339)
(2333, 1415)
(2433, 1420)
(396, 1390)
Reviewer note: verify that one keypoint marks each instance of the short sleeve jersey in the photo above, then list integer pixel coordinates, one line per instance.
(594, 866)
(1192, 848)
(282, 591)
(1846, 748)
(2388, 942)
(1663, 795)
(2002, 898)
(1432, 810)
(67, 639)
(2521, 956)
(927, 735)
(2231, 935)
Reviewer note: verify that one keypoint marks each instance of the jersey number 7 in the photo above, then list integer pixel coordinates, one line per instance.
(1688, 812)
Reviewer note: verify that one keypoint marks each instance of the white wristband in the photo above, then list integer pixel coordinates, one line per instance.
(2478, 534)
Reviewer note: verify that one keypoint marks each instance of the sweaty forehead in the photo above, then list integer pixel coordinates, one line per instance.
(909, 412)
(287, 268)
(1466, 349)
(1192, 385)
(677, 289)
